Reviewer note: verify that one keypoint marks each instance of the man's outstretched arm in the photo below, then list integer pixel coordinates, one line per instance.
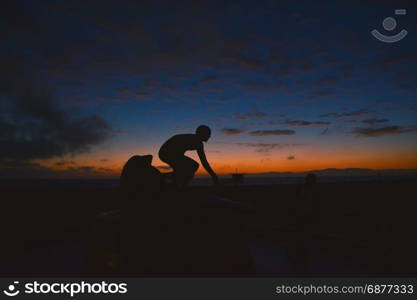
(206, 165)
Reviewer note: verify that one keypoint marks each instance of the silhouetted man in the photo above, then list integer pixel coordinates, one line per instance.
(172, 153)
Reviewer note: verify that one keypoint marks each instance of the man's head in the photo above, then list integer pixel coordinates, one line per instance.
(203, 132)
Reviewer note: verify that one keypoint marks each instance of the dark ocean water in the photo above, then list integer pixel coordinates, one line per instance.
(113, 183)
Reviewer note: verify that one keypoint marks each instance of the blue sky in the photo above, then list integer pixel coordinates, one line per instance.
(90, 83)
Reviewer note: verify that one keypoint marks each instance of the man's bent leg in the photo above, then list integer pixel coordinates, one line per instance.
(184, 170)
(168, 177)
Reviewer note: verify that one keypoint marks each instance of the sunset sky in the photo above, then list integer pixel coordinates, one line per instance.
(284, 85)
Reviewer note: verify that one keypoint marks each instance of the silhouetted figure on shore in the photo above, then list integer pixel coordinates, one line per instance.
(305, 217)
(172, 153)
(306, 204)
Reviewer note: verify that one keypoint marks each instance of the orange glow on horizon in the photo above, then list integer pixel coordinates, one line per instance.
(246, 162)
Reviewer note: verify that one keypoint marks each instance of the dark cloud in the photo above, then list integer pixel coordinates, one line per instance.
(383, 131)
(322, 94)
(332, 63)
(306, 123)
(104, 99)
(231, 131)
(124, 91)
(209, 79)
(291, 157)
(265, 160)
(404, 86)
(64, 163)
(272, 132)
(109, 39)
(15, 164)
(356, 113)
(306, 67)
(374, 121)
(86, 171)
(243, 61)
(252, 115)
(395, 60)
(324, 131)
(267, 147)
(255, 86)
(225, 100)
(18, 169)
(327, 81)
(35, 126)
(143, 95)
(85, 168)
(149, 84)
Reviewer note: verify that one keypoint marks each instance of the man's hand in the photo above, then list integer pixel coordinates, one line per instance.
(206, 166)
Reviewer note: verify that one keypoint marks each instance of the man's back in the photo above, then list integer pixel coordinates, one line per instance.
(179, 144)
(173, 150)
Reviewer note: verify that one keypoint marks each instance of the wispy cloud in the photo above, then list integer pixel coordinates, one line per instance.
(243, 61)
(318, 95)
(270, 145)
(324, 131)
(209, 79)
(252, 115)
(267, 147)
(124, 91)
(326, 81)
(19, 169)
(395, 60)
(231, 131)
(375, 121)
(383, 131)
(272, 132)
(306, 123)
(355, 113)
(64, 163)
(142, 96)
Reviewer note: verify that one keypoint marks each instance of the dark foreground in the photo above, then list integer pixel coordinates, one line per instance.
(361, 229)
